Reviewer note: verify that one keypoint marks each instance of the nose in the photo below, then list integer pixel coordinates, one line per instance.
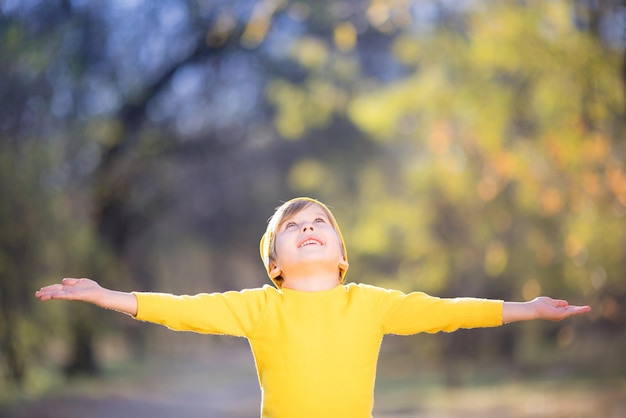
(307, 226)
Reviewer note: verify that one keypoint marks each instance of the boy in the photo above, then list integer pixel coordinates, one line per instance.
(315, 340)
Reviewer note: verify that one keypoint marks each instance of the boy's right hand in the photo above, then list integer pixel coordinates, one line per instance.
(85, 290)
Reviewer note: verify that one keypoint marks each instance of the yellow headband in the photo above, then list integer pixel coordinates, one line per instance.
(268, 236)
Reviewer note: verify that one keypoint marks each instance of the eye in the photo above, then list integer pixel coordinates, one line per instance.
(290, 225)
(322, 220)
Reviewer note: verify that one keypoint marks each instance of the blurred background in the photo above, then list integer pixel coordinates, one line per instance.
(467, 148)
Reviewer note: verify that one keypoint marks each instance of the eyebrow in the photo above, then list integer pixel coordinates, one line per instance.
(321, 213)
(316, 214)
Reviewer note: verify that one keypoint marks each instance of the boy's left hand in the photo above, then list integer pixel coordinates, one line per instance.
(556, 309)
(542, 307)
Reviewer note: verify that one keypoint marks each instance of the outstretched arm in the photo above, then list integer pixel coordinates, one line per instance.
(540, 308)
(87, 290)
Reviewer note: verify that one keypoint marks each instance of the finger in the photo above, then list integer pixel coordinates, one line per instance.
(560, 303)
(58, 294)
(48, 289)
(581, 309)
(55, 291)
(55, 286)
(45, 294)
(575, 310)
(69, 281)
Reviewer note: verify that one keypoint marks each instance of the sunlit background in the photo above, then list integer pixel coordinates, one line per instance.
(467, 148)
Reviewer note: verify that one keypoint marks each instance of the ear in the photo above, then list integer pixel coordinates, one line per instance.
(343, 263)
(274, 272)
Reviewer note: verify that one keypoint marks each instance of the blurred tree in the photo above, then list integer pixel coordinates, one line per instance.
(469, 148)
(23, 227)
(500, 167)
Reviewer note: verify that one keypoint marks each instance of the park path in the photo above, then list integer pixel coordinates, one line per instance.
(224, 385)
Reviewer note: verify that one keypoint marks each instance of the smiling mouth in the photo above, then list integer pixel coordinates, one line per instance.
(309, 242)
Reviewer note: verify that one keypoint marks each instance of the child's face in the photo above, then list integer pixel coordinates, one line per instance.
(305, 238)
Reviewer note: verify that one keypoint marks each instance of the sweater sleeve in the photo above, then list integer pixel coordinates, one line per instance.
(230, 313)
(417, 312)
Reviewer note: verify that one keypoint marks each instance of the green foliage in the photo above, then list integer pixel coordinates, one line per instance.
(499, 167)
(475, 151)
(499, 149)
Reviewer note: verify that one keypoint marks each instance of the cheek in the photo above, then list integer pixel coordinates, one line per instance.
(279, 246)
(338, 243)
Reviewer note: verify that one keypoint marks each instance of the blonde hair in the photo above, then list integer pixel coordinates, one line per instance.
(282, 213)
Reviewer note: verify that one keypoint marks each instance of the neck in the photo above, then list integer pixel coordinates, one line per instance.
(315, 282)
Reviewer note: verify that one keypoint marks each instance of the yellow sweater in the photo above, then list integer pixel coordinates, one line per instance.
(316, 352)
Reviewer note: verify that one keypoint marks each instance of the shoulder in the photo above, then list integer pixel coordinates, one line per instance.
(382, 296)
(266, 289)
(368, 289)
(264, 293)
(371, 293)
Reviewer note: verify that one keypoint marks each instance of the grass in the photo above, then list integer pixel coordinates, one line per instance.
(504, 398)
